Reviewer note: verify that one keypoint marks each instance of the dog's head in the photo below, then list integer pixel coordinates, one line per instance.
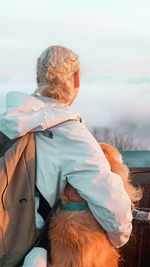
(115, 160)
(111, 153)
(117, 166)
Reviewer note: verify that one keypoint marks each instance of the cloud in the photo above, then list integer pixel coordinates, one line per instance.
(102, 100)
(106, 100)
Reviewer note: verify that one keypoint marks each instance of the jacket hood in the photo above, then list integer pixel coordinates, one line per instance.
(26, 113)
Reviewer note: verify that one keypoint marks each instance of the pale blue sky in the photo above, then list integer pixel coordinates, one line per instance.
(112, 39)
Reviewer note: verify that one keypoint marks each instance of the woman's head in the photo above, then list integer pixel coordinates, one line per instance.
(56, 69)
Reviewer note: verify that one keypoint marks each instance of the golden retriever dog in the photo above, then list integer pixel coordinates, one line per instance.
(76, 238)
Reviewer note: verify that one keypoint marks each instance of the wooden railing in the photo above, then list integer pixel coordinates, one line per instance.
(136, 253)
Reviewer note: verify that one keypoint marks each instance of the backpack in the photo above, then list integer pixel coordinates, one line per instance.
(18, 233)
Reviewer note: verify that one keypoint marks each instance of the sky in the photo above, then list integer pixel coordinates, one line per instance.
(111, 37)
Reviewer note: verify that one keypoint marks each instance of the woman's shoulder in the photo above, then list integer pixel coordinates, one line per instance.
(76, 132)
(71, 134)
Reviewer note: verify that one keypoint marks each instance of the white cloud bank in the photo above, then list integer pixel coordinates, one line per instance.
(102, 100)
(108, 99)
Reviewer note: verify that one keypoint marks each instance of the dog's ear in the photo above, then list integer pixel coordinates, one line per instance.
(120, 169)
(117, 166)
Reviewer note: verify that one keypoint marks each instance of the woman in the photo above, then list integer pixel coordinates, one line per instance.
(67, 152)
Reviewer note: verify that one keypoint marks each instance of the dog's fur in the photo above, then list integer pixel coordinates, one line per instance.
(77, 240)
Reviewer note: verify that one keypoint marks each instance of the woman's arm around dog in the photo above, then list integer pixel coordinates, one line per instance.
(87, 170)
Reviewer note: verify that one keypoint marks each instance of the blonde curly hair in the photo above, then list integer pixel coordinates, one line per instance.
(55, 71)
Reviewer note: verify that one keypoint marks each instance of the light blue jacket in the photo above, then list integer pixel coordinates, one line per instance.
(73, 155)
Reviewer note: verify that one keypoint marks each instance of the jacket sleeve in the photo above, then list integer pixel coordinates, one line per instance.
(87, 170)
(37, 257)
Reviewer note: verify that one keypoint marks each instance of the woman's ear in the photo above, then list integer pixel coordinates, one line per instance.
(77, 79)
(37, 80)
